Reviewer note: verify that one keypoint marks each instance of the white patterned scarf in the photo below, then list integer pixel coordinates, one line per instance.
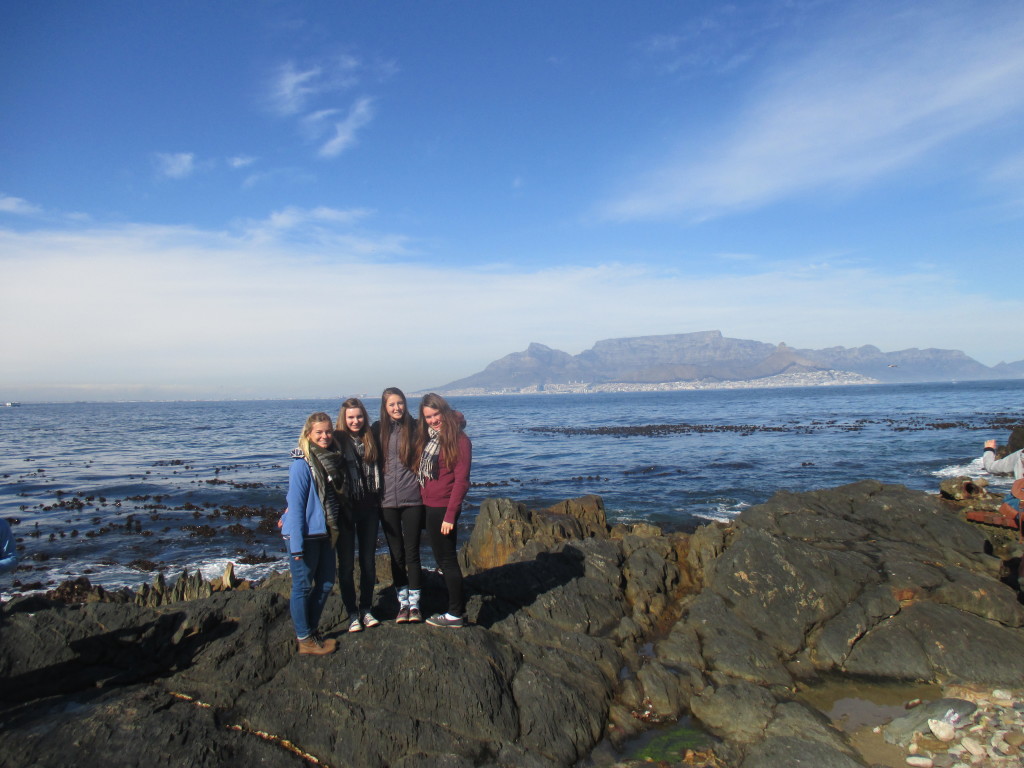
(428, 461)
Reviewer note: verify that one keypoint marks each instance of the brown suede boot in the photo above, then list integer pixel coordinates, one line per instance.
(317, 646)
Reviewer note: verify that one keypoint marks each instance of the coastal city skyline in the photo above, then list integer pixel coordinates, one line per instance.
(287, 199)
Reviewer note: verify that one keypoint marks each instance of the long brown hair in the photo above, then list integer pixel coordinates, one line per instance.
(449, 434)
(405, 444)
(369, 444)
(313, 418)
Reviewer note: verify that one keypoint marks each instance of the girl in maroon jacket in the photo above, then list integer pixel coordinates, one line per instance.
(445, 458)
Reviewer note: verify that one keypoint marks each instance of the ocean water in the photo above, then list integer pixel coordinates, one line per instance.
(120, 491)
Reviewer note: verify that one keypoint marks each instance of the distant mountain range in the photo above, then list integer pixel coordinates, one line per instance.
(709, 357)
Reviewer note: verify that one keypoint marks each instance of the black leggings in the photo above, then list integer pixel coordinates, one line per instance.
(445, 553)
(362, 532)
(402, 526)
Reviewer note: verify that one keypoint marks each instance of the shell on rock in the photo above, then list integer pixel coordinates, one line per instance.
(920, 761)
(942, 730)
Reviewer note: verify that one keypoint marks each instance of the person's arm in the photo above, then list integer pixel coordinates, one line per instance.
(300, 480)
(1008, 465)
(461, 484)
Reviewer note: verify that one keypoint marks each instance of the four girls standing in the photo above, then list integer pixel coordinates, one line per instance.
(407, 473)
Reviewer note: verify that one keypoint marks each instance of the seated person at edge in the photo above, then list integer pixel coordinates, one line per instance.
(8, 548)
(355, 441)
(445, 456)
(315, 495)
(1011, 464)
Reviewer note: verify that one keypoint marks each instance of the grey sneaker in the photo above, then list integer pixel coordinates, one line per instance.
(356, 625)
(442, 620)
(369, 620)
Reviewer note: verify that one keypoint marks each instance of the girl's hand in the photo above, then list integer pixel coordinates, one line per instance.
(990, 444)
(296, 558)
(446, 528)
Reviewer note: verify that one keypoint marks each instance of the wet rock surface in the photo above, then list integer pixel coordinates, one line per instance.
(581, 636)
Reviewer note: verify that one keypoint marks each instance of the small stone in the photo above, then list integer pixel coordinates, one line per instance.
(920, 761)
(943, 731)
(930, 744)
(973, 746)
(1014, 738)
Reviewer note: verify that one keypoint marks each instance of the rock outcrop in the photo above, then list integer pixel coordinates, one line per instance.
(581, 634)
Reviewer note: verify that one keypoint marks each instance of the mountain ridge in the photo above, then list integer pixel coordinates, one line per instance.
(710, 358)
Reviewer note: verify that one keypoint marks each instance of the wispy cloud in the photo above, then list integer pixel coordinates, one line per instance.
(324, 227)
(293, 86)
(879, 91)
(17, 205)
(177, 165)
(359, 116)
(310, 93)
(241, 161)
(292, 216)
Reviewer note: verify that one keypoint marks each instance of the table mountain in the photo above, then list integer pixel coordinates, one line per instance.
(708, 356)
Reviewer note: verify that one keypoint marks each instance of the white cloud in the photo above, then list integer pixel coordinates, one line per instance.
(178, 165)
(16, 205)
(345, 131)
(292, 87)
(241, 161)
(292, 216)
(214, 314)
(878, 92)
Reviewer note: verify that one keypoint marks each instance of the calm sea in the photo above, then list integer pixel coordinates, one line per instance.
(117, 491)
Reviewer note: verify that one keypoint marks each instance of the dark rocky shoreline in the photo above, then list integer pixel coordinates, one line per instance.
(582, 636)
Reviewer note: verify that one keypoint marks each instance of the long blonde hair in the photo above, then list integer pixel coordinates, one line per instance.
(313, 418)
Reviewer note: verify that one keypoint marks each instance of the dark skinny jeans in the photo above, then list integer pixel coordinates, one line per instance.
(445, 548)
(362, 532)
(402, 527)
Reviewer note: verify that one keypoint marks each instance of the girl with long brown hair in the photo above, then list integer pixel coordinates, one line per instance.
(355, 439)
(445, 455)
(401, 505)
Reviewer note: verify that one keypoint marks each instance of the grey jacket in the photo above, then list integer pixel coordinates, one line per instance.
(401, 488)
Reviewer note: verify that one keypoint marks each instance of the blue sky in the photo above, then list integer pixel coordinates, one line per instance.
(270, 199)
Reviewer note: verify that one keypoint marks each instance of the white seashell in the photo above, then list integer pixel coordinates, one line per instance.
(920, 761)
(942, 730)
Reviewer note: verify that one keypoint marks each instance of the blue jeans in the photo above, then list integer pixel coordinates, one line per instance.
(312, 582)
